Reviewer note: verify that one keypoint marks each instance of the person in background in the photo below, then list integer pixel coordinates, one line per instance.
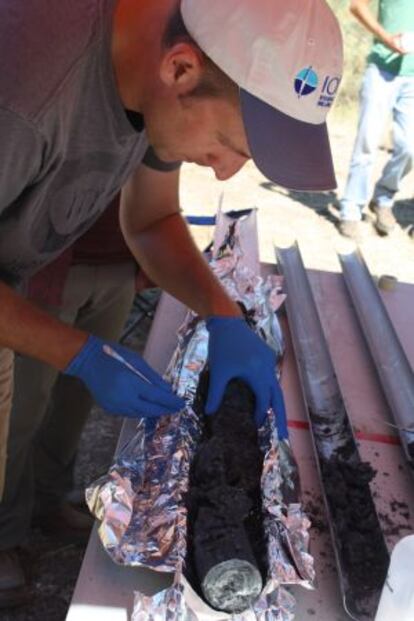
(387, 87)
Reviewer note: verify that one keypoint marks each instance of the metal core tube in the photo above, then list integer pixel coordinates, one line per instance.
(393, 368)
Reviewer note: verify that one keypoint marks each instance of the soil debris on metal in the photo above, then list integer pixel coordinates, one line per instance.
(355, 521)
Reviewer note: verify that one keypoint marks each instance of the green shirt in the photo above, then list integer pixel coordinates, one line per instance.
(395, 16)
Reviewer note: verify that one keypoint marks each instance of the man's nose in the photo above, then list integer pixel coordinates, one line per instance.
(228, 167)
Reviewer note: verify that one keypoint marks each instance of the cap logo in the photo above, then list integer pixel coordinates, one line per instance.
(328, 91)
(306, 81)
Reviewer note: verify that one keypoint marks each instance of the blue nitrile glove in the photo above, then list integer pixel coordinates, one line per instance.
(116, 388)
(235, 351)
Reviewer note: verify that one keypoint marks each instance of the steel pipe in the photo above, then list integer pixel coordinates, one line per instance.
(360, 551)
(394, 370)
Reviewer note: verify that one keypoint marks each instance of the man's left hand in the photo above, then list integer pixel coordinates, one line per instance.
(235, 351)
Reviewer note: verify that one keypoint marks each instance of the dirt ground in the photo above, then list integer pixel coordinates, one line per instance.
(283, 217)
(310, 218)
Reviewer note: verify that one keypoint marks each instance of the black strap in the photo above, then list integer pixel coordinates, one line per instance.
(136, 119)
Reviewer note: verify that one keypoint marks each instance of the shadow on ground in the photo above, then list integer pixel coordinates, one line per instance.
(404, 212)
(326, 204)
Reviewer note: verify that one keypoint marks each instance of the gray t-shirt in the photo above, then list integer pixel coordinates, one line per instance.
(66, 144)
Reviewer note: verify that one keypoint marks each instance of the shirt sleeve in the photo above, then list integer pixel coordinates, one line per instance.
(20, 158)
(153, 161)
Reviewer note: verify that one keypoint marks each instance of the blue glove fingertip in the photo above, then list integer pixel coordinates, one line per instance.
(278, 405)
(263, 398)
(180, 405)
(282, 430)
(259, 418)
(209, 409)
(212, 403)
(217, 386)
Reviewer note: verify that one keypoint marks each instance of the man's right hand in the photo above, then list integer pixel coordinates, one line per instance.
(362, 11)
(118, 389)
(394, 43)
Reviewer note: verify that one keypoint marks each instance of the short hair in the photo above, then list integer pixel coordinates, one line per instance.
(176, 31)
(214, 82)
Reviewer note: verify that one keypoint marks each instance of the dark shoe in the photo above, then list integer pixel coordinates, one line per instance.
(385, 221)
(69, 523)
(14, 590)
(350, 228)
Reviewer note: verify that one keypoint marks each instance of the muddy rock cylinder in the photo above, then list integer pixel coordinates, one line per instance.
(227, 542)
(224, 559)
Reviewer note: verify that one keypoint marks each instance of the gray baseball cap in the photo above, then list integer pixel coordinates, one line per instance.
(286, 58)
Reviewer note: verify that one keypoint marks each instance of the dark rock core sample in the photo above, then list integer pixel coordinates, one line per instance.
(226, 560)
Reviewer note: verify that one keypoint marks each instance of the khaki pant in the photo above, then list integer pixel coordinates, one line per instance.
(50, 409)
(6, 390)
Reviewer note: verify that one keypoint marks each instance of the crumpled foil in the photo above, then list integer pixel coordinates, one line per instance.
(140, 501)
(179, 602)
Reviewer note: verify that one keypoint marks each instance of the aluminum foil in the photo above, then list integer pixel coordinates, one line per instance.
(140, 501)
(179, 602)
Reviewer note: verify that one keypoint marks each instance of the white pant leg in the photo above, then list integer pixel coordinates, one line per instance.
(402, 157)
(376, 102)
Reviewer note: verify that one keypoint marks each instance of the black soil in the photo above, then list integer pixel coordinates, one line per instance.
(364, 556)
(224, 499)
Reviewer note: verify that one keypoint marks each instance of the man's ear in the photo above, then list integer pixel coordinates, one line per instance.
(181, 67)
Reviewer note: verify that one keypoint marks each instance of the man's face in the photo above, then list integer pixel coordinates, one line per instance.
(207, 131)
